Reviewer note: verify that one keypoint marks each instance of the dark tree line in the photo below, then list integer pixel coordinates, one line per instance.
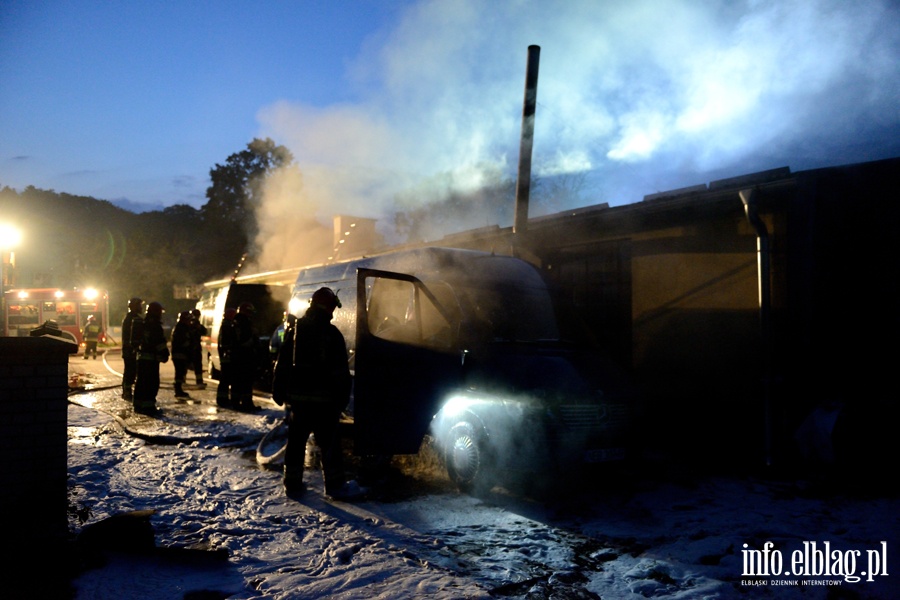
(77, 241)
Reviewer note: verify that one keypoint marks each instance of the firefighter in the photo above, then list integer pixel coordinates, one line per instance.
(198, 330)
(181, 351)
(152, 351)
(278, 335)
(91, 335)
(277, 340)
(312, 378)
(244, 358)
(131, 335)
(225, 344)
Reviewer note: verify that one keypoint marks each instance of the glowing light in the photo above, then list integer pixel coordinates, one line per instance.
(456, 404)
(22, 295)
(9, 236)
(294, 305)
(59, 294)
(90, 294)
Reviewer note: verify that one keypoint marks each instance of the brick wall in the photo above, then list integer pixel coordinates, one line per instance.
(33, 415)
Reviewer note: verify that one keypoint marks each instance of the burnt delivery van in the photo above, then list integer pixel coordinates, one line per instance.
(464, 346)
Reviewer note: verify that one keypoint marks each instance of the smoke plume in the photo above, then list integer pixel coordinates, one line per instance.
(633, 98)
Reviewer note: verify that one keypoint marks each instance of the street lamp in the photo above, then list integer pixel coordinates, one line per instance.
(9, 239)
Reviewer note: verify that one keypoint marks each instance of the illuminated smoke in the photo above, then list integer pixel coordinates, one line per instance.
(637, 97)
(289, 233)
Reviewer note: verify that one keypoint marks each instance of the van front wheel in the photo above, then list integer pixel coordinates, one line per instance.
(466, 458)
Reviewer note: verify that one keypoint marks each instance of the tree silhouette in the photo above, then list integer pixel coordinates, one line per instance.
(236, 188)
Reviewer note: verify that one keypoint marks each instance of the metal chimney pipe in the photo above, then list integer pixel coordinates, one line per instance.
(523, 183)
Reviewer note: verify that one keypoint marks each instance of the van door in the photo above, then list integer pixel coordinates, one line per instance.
(407, 359)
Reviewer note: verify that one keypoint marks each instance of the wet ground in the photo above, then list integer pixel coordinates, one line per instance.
(185, 420)
(654, 532)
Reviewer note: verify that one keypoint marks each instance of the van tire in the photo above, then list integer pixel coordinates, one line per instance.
(466, 458)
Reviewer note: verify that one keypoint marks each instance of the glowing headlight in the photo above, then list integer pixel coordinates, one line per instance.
(457, 403)
(294, 305)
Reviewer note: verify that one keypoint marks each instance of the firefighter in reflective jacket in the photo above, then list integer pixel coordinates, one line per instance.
(277, 338)
(312, 377)
(91, 334)
(152, 351)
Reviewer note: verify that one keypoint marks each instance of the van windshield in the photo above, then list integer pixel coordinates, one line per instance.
(509, 312)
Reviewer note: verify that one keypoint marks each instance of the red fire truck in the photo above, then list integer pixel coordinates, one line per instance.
(28, 308)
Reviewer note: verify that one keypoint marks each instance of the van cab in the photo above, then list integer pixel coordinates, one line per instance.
(464, 346)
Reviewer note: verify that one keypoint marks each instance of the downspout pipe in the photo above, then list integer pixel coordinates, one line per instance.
(750, 199)
(523, 182)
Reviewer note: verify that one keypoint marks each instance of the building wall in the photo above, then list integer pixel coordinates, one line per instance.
(670, 288)
(678, 304)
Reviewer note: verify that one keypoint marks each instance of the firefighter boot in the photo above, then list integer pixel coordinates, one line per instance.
(179, 391)
(245, 403)
(293, 482)
(145, 407)
(224, 397)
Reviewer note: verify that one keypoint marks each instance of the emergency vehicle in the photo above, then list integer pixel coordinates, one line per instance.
(28, 308)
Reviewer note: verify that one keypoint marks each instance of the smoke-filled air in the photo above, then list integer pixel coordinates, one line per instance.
(633, 98)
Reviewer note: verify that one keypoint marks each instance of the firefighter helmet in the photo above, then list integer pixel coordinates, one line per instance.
(135, 303)
(90, 318)
(326, 298)
(184, 315)
(246, 308)
(155, 308)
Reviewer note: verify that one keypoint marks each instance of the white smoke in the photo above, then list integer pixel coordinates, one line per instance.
(289, 234)
(637, 96)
